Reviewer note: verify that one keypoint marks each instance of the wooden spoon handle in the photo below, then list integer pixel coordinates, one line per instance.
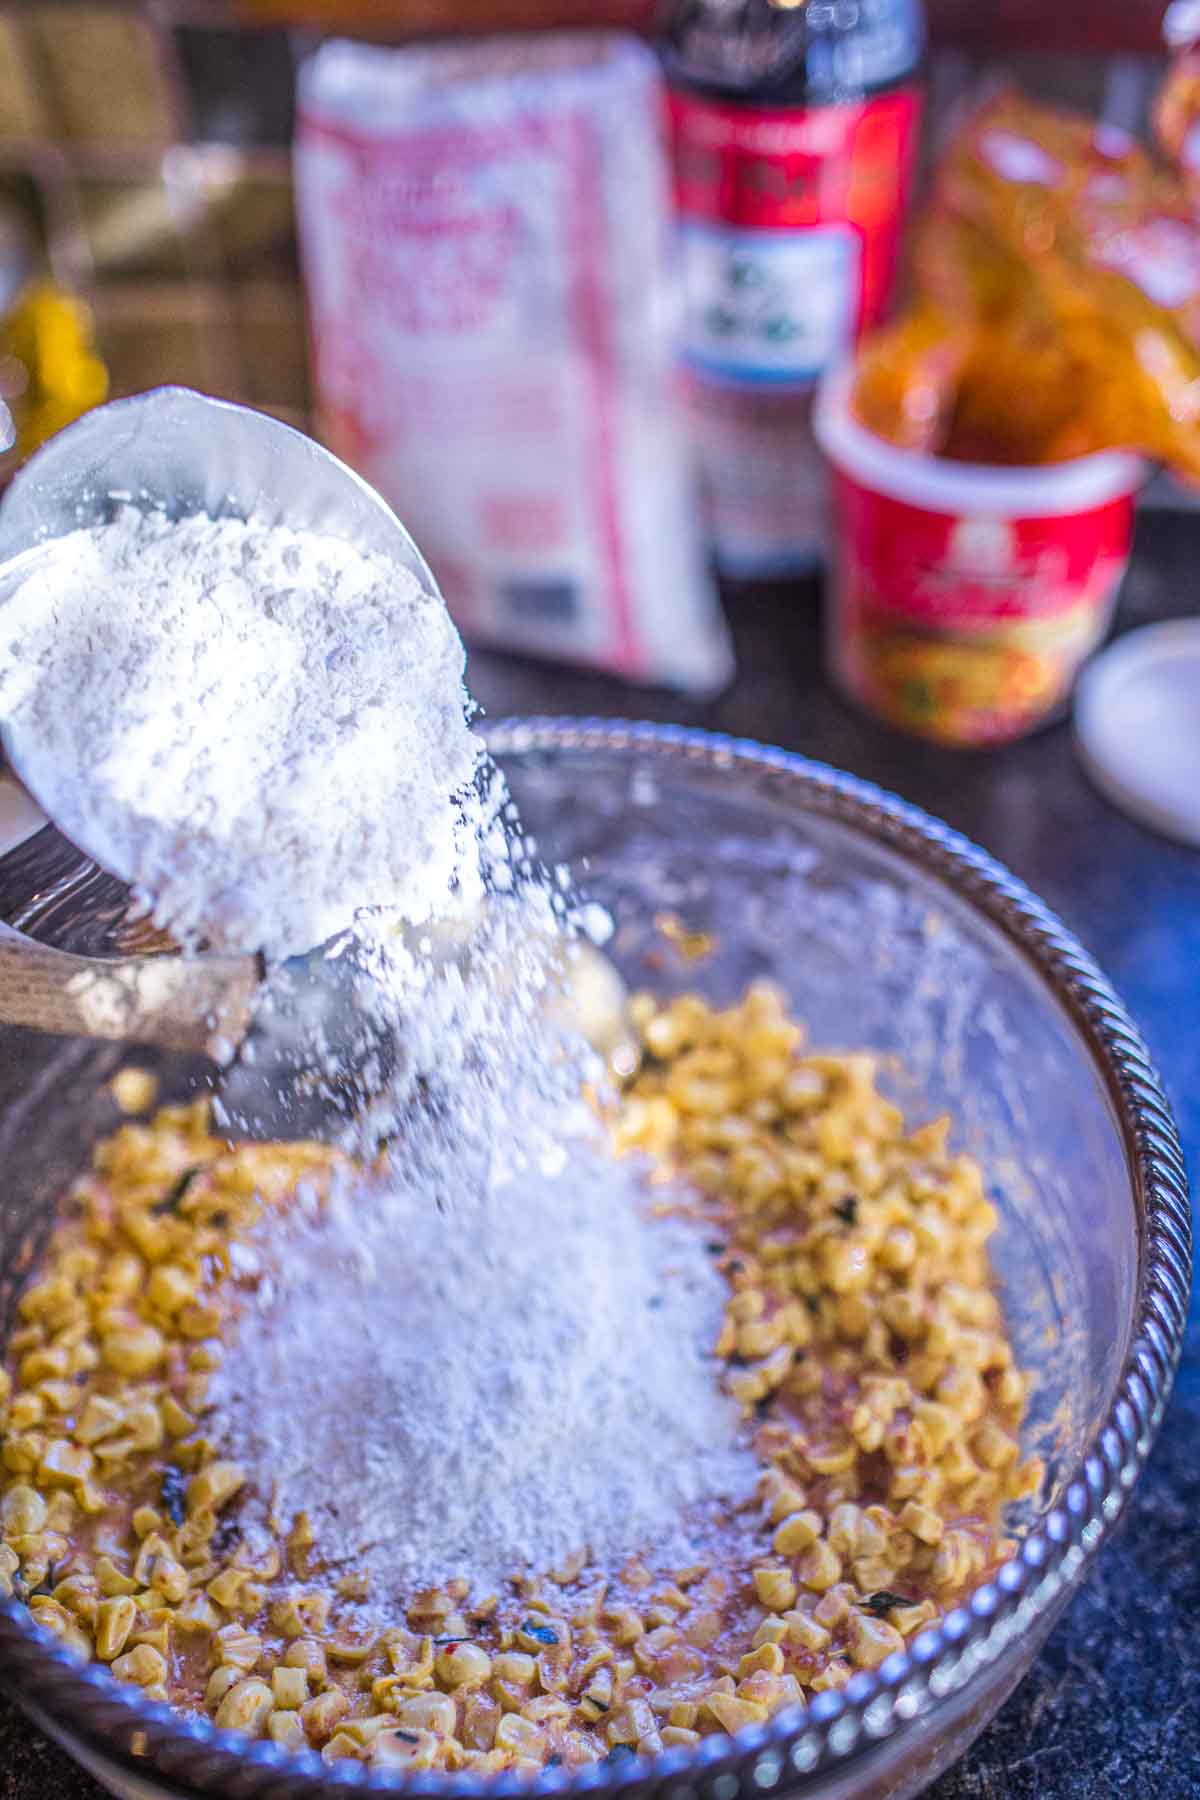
(174, 1002)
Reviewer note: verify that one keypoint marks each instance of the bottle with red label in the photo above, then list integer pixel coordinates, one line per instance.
(793, 130)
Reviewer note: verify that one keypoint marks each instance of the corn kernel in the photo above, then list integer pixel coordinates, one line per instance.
(143, 1665)
(246, 1707)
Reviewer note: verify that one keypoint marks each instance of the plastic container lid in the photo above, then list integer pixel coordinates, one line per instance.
(1137, 726)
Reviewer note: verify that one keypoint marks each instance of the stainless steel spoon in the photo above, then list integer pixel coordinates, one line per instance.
(75, 953)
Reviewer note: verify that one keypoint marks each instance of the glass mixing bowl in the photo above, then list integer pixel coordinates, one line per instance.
(889, 931)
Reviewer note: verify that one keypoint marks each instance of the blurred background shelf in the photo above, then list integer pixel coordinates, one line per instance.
(145, 148)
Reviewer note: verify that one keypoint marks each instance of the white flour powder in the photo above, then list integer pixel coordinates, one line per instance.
(464, 1395)
(260, 729)
(494, 1359)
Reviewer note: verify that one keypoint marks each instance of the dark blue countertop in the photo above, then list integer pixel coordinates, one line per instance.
(1112, 1707)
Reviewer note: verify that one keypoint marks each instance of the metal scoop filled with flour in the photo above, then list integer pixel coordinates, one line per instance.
(228, 677)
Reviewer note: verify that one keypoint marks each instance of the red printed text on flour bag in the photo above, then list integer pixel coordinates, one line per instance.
(793, 135)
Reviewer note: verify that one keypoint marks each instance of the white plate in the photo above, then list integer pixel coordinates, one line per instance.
(1137, 726)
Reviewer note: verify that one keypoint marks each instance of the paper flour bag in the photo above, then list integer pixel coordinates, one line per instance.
(485, 233)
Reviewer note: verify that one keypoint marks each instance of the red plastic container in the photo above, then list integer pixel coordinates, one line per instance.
(964, 597)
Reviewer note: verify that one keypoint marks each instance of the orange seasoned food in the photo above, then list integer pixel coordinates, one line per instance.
(1057, 275)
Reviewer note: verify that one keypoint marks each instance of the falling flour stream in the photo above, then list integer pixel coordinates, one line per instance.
(489, 1355)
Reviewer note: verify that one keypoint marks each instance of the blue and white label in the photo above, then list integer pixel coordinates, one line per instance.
(773, 307)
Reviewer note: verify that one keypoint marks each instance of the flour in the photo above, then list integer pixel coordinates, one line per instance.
(468, 1395)
(261, 730)
(489, 1357)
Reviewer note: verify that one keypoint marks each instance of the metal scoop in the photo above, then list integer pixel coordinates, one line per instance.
(76, 955)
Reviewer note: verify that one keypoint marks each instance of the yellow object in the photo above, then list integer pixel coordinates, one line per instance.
(50, 372)
(1056, 273)
(860, 1327)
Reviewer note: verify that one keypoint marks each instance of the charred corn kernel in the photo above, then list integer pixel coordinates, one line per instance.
(286, 1732)
(515, 1667)
(114, 1622)
(768, 1657)
(843, 1528)
(64, 1462)
(546, 1709)
(22, 1451)
(59, 1396)
(400, 1749)
(112, 1453)
(872, 1573)
(819, 1567)
(481, 1716)
(428, 1712)
(908, 1619)
(289, 1687)
(732, 1713)
(834, 1675)
(307, 1654)
(214, 1486)
(79, 1594)
(177, 1422)
(197, 1613)
(952, 1561)
(62, 1511)
(169, 1288)
(143, 1665)
(623, 1623)
(113, 1580)
(781, 1496)
(520, 1738)
(220, 1682)
(341, 1746)
(596, 1699)
(153, 1625)
(463, 1665)
(144, 1426)
(22, 1511)
(320, 1715)
(797, 1533)
(630, 1722)
(869, 1641)
(49, 1614)
(775, 1588)
(226, 1589)
(26, 1410)
(153, 1546)
(992, 1446)
(703, 1628)
(43, 1365)
(246, 1707)
(169, 1578)
(806, 1633)
(145, 1520)
(135, 1350)
(241, 1649)
(922, 1521)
